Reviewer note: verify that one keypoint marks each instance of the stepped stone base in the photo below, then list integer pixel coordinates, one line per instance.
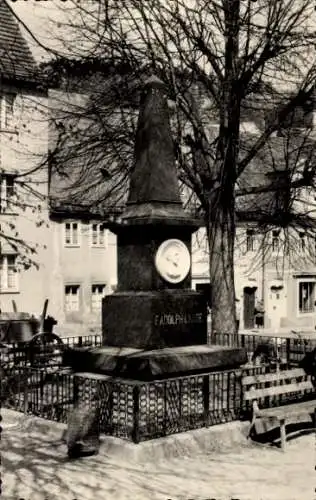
(154, 364)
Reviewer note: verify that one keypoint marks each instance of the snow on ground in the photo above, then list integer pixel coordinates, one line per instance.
(35, 467)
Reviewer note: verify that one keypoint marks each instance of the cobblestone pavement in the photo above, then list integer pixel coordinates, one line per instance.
(35, 467)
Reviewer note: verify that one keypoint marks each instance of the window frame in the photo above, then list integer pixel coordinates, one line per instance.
(7, 266)
(275, 236)
(7, 109)
(103, 285)
(72, 244)
(303, 244)
(78, 294)
(312, 311)
(6, 198)
(253, 239)
(99, 226)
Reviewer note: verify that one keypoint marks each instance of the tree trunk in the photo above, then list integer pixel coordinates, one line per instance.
(221, 214)
(221, 236)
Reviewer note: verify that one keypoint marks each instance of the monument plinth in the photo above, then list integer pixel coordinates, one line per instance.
(155, 325)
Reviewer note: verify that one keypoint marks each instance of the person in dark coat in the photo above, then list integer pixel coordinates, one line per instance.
(82, 435)
(266, 353)
(308, 363)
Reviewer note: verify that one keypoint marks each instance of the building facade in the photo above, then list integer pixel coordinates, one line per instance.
(75, 252)
(278, 274)
(24, 217)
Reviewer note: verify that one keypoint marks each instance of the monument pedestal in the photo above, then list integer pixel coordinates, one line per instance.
(155, 364)
(154, 319)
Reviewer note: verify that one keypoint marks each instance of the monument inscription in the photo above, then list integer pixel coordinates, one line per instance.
(163, 319)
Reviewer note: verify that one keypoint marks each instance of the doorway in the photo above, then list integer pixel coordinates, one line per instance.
(249, 307)
(276, 306)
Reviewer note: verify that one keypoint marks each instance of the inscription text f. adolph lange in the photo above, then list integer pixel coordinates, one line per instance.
(177, 318)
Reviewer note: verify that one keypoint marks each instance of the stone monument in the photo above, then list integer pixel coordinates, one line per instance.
(154, 306)
(155, 325)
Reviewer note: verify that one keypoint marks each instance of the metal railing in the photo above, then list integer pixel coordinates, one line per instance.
(131, 409)
(291, 350)
(82, 340)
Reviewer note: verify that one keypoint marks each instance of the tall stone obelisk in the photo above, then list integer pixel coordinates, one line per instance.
(154, 305)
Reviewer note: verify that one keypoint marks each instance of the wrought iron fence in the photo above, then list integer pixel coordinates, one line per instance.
(43, 393)
(145, 410)
(82, 340)
(20, 354)
(291, 350)
(129, 409)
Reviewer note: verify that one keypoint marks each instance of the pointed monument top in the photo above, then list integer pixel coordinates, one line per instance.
(154, 191)
(154, 81)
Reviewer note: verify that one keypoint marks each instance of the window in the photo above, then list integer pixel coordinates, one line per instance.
(302, 242)
(72, 234)
(6, 192)
(250, 240)
(6, 111)
(275, 241)
(97, 235)
(8, 274)
(72, 298)
(306, 296)
(97, 293)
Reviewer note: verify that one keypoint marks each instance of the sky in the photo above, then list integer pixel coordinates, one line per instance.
(46, 19)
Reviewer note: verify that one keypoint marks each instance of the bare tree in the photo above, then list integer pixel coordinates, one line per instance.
(213, 57)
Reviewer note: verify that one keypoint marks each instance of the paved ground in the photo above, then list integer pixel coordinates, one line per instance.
(35, 467)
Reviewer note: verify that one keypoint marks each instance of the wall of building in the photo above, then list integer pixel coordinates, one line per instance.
(272, 276)
(84, 266)
(23, 147)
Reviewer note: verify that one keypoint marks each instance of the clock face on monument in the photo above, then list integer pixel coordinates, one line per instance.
(173, 261)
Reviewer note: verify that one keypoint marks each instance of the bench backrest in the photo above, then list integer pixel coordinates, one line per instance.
(284, 382)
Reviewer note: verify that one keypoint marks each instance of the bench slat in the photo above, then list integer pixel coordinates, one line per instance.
(277, 390)
(302, 408)
(273, 377)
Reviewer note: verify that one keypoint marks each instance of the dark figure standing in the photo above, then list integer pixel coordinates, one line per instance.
(238, 308)
(259, 314)
(82, 436)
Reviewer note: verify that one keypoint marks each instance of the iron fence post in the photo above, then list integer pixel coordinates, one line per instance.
(206, 398)
(75, 389)
(41, 391)
(288, 350)
(136, 413)
(26, 392)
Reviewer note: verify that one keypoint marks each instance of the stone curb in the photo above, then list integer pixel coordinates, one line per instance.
(215, 439)
(14, 420)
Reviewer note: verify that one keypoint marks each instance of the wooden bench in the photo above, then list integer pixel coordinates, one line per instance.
(267, 387)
